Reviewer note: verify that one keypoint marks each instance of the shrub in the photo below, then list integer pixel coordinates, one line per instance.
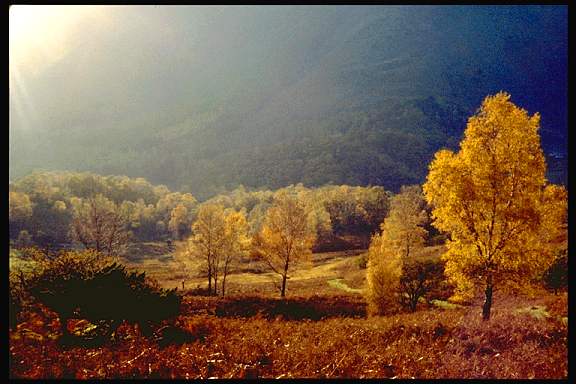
(362, 261)
(417, 280)
(81, 285)
(556, 277)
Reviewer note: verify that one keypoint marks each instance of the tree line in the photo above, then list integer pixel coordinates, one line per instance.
(59, 209)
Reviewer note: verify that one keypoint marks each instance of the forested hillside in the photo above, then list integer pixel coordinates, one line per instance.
(272, 96)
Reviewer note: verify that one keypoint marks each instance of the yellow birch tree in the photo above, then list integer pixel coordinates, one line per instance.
(493, 199)
(286, 236)
(402, 232)
(236, 242)
(207, 240)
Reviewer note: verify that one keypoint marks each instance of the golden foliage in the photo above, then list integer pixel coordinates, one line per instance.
(383, 272)
(402, 229)
(19, 205)
(401, 232)
(286, 236)
(493, 199)
(219, 239)
(178, 217)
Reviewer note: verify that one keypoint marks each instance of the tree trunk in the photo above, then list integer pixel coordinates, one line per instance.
(225, 273)
(209, 281)
(284, 277)
(414, 303)
(283, 292)
(488, 301)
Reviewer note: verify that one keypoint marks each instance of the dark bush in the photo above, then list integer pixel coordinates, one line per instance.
(77, 288)
(362, 261)
(556, 277)
(418, 279)
(294, 308)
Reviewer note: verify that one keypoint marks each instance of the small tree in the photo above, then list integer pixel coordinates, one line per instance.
(207, 241)
(219, 239)
(556, 277)
(402, 232)
(493, 199)
(178, 217)
(418, 278)
(403, 227)
(286, 237)
(100, 224)
(236, 243)
(383, 272)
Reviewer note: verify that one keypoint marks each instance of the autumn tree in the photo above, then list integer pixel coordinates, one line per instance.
(286, 237)
(418, 278)
(402, 232)
(100, 224)
(219, 238)
(178, 220)
(236, 242)
(319, 218)
(177, 211)
(383, 272)
(403, 227)
(207, 241)
(20, 209)
(494, 201)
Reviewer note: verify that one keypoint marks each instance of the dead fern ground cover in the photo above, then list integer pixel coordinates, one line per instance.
(320, 331)
(251, 337)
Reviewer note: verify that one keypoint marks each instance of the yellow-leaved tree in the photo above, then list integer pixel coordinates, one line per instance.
(206, 242)
(236, 243)
(402, 232)
(286, 236)
(493, 199)
(219, 239)
(178, 217)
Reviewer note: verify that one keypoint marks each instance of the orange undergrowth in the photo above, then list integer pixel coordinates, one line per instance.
(430, 343)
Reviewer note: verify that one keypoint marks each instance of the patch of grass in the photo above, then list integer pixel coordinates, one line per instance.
(538, 312)
(340, 284)
(445, 304)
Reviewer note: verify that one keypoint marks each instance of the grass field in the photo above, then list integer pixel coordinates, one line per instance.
(328, 273)
(252, 277)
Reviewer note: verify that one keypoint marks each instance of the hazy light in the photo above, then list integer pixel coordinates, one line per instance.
(39, 36)
(38, 33)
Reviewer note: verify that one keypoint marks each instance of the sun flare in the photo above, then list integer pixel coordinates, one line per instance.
(38, 33)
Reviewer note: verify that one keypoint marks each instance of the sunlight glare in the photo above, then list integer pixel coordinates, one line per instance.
(38, 33)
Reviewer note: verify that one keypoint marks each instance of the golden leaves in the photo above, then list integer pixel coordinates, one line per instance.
(489, 195)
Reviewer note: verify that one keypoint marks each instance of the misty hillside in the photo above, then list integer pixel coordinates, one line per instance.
(203, 99)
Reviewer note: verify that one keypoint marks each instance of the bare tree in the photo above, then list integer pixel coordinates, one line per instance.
(100, 224)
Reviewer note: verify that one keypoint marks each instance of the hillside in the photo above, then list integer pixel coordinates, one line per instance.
(270, 96)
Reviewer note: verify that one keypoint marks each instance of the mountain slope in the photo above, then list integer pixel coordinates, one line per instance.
(204, 98)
